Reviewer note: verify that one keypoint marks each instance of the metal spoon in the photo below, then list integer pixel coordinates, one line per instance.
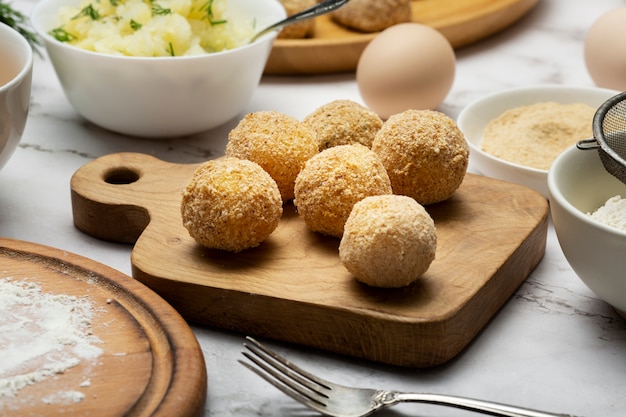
(319, 9)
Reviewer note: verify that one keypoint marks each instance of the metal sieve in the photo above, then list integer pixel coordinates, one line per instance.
(609, 131)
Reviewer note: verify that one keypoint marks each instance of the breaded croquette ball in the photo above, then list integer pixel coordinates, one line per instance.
(425, 154)
(343, 122)
(333, 181)
(279, 143)
(231, 204)
(388, 241)
(300, 29)
(373, 15)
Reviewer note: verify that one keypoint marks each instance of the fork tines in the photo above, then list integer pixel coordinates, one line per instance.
(284, 375)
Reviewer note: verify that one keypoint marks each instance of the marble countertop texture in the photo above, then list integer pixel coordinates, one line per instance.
(554, 346)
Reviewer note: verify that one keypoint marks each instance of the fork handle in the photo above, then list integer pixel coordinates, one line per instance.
(480, 406)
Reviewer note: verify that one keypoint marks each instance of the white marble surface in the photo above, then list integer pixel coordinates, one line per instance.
(554, 346)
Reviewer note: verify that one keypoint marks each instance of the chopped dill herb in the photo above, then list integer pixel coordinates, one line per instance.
(171, 49)
(114, 3)
(88, 11)
(18, 21)
(208, 6)
(62, 35)
(134, 25)
(159, 10)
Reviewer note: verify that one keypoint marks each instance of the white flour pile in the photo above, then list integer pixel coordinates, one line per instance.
(612, 213)
(42, 335)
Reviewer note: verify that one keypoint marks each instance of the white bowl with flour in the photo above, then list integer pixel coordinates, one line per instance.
(579, 185)
(477, 115)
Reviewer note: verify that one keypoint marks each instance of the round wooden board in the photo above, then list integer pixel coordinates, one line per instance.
(334, 48)
(151, 363)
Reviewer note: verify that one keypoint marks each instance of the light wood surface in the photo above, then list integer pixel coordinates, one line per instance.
(334, 48)
(293, 287)
(151, 363)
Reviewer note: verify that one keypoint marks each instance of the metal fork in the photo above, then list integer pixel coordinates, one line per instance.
(340, 401)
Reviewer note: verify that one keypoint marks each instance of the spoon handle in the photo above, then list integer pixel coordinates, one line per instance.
(319, 9)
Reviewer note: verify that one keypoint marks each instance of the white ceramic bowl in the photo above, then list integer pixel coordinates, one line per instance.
(579, 184)
(16, 70)
(160, 96)
(474, 118)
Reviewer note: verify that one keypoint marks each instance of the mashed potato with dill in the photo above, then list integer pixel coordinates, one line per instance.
(152, 28)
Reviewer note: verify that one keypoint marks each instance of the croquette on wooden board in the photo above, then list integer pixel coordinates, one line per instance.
(293, 287)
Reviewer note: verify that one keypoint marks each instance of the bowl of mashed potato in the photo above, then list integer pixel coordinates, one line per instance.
(157, 68)
(516, 134)
(588, 208)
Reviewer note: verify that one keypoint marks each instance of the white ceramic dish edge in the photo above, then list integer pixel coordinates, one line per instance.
(14, 93)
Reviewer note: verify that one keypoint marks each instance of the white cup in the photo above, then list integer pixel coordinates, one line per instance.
(16, 69)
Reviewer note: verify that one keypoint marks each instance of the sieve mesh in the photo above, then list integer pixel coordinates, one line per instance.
(609, 130)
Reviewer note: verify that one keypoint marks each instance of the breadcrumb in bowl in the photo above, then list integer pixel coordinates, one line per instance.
(231, 204)
(279, 143)
(389, 241)
(333, 181)
(425, 154)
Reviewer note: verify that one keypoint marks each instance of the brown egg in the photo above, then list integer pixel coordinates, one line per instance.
(407, 66)
(605, 51)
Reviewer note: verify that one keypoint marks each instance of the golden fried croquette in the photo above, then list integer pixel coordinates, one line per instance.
(388, 241)
(333, 181)
(279, 143)
(425, 154)
(301, 29)
(372, 15)
(343, 122)
(231, 204)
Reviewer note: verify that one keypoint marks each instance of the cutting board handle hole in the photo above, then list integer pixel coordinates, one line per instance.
(121, 175)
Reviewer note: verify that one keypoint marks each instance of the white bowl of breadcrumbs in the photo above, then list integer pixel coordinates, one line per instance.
(515, 135)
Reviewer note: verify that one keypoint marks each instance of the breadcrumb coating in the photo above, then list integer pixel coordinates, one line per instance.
(301, 29)
(425, 154)
(281, 144)
(343, 122)
(389, 241)
(333, 181)
(231, 204)
(373, 15)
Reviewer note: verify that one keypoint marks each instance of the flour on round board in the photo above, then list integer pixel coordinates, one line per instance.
(42, 335)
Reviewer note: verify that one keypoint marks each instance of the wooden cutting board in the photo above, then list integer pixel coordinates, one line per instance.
(334, 48)
(151, 363)
(293, 287)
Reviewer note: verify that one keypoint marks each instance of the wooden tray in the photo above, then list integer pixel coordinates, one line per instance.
(491, 234)
(151, 363)
(334, 48)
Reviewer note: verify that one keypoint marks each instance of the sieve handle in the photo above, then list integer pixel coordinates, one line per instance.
(587, 144)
